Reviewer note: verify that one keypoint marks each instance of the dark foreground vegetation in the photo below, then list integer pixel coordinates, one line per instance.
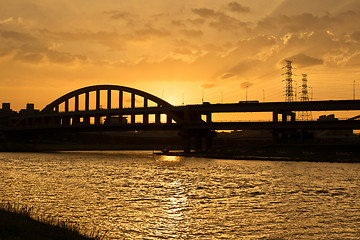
(16, 223)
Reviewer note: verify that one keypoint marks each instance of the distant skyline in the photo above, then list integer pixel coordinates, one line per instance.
(178, 50)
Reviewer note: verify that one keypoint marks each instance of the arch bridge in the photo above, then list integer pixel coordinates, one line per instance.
(108, 105)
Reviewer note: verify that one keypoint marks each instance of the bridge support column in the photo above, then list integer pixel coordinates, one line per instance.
(65, 121)
(76, 120)
(293, 116)
(157, 118)
(275, 116)
(146, 118)
(133, 118)
(208, 118)
(199, 140)
(87, 120)
(97, 120)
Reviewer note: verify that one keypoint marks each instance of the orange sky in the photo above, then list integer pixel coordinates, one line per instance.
(178, 49)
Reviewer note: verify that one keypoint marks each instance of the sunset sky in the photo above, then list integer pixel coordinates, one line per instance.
(178, 50)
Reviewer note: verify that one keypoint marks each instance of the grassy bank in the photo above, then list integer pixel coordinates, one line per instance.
(16, 223)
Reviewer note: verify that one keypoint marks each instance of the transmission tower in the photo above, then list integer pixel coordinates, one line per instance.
(289, 91)
(304, 97)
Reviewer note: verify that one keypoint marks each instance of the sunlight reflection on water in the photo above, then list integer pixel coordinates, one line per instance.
(136, 195)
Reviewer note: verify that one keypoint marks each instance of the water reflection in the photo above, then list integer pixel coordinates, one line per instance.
(141, 196)
(164, 158)
(173, 218)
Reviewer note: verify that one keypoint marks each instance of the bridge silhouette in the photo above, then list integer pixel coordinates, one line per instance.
(106, 108)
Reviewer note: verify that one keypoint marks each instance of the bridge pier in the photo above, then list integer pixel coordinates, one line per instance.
(284, 116)
(198, 140)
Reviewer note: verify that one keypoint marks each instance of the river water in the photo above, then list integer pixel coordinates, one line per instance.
(138, 195)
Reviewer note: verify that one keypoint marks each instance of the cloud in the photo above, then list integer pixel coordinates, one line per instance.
(236, 7)
(7, 20)
(246, 84)
(356, 36)
(219, 20)
(205, 12)
(226, 76)
(303, 60)
(17, 36)
(118, 15)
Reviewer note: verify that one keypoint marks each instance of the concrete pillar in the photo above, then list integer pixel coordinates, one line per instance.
(168, 119)
(87, 101)
(146, 118)
(66, 121)
(108, 119)
(132, 118)
(109, 99)
(284, 117)
(132, 100)
(121, 99)
(76, 120)
(87, 120)
(97, 99)
(293, 116)
(157, 118)
(275, 116)
(76, 103)
(57, 108)
(97, 120)
(208, 118)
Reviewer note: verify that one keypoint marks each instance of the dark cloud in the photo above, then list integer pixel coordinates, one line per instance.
(226, 76)
(178, 23)
(356, 36)
(118, 15)
(205, 12)
(284, 24)
(302, 60)
(236, 7)
(196, 21)
(17, 36)
(219, 20)
(246, 84)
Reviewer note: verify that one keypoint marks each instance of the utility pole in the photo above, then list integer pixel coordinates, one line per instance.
(263, 95)
(246, 93)
(202, 98)
(354, 90)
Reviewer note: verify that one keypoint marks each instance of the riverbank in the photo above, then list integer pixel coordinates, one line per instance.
(16, 223)
(343, 153)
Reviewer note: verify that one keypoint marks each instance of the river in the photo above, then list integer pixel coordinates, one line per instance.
(138, 195)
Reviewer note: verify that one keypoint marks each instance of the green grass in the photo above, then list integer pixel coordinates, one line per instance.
(16, 223)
